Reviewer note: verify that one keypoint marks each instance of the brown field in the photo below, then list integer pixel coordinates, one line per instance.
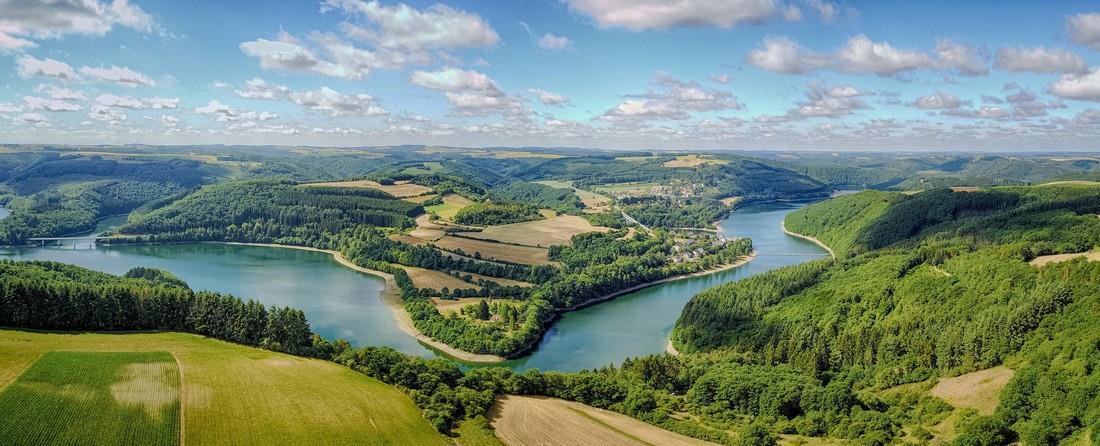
(489, 250)
(730, 201)
(399, 189)
(436, 280)
(504, 154)
(693, 161)
(524, 420)
(542, 233)
(445, 305)
(1092, 256)
(979, 390)
(966, 189)
(426, 230)
(419, 199)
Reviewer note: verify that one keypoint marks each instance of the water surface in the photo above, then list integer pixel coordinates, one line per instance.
(342, 303)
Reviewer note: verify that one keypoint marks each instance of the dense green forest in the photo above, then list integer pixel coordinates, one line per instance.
(933, 284)
(543, 197)
(487, 214)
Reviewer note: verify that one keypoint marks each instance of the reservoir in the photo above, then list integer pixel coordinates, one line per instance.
(342, 303)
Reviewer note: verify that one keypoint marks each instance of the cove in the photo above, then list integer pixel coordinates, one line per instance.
(342, 303)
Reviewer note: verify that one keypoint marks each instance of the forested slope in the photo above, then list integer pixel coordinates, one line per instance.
(934, 284)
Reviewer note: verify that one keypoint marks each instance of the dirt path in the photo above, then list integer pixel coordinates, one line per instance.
(182, 399)
(391, 296)
(806, 237)
(528, 420)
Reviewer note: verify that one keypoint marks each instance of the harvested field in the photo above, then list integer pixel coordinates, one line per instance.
(524, 420)
(730, 201)
(445, 305)
(966, 189)
(115, 398)
(426, 230)
(399, 189)
(490, 250)
(693, 161)
(452, 203)
(436, 280)
(979, 390)
(232, 394)
(541, 233)
(419, 199)
(1092, 256)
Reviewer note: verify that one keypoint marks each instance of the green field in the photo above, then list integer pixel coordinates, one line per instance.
(230, 394)
(94, 397)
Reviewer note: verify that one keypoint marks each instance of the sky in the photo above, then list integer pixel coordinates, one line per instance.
(613, 74)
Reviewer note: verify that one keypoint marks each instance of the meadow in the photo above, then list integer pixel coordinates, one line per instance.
(399, 189)
(233, 394)
(107, 397)
(452, 203)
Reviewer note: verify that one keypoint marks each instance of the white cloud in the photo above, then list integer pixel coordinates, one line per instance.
(782, 55)
(169, 121)
(111, 100)
(829, 102)
(862, 55)
(22, 20)
(257, 88)
(671, 98)
(34, 103)
(399, 36)
(553, 42)
(828, 11)
(28, 66)
(791, 13)
(721, 78)
(63, 94)
(333, 103)
(1040, 60)
(7, 107)
(452, 79)
(223, 113)
(1084, 86)
(31, 119)
(960, 58)
(470, 92)
(119, 75)
(640, 15)
(103, 113)
(159, 103)
(548, 98)
(938, 101)
(1085, 29)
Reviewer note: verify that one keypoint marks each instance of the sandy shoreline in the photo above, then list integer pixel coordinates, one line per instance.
(783, 224)
(392, 298)
(671, 349)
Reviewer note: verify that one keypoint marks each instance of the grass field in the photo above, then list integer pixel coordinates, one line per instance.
(113, 398)
(625, 188)
(233, 394)
(979, 390)
(436, 280)
(1092, 256)
(523, 420)
(445, 305)
(452, 203)
(593, 202)
(541, 233)
(419, 199)
(399, 189)
(693, 161)
(491, 250)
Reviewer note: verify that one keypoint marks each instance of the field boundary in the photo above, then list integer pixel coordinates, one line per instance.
(182, 398)
(21, 372)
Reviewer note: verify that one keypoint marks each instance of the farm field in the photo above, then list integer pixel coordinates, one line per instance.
(452, 203)
(523, 420)
(541, 233)
(116, 398)
(445, 305)
(625, 188)
(419, 198)
(436, 280)
(399, 189)
(233, 394)
(593, 202)
(528, 255)
(693, 161)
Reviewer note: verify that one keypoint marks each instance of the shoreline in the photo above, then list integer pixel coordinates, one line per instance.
(392, 299)
(817, 242)
(671, 349)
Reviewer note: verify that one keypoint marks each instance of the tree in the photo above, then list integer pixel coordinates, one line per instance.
(483, 310)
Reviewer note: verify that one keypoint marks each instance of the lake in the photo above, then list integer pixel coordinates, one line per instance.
(343, 303)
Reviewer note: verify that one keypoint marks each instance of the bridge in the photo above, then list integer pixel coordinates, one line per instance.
(59, 241)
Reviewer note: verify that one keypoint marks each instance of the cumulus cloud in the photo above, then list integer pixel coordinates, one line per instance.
(553, 42)
(1085, 29)
(34, 103)
(159, 103)
(398, 36)
(36, 119)
(1040, 60)
(257, 88)
(720, 78)
(640, 15)
(223, 113)
(1085, 86)
(28, 66)
(61, 93)
(548, 98)
(862, 55)
(938, 101)
(103, 113)
(829, 102)
(119, 75)
(470, 92)
(333, 103)
(671, 98)
(24, 20)
(111, 100)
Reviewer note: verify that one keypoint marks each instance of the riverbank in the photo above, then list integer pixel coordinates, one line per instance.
(817, 242)
(391, 297)
(671, 349)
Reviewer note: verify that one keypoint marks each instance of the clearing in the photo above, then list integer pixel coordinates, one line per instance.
(115, 398)
(399, 189)
(445, 305)
(1092, 256)
(419, 198)
(693, 161)
(527, 255)
(436, 280)
(233, 394)
(592, 201)
(540, 233)
(630, 189)
(525, 420)
(452, 203)
(979, 390)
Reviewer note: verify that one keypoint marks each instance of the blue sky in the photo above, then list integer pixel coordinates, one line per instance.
(647, 74)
